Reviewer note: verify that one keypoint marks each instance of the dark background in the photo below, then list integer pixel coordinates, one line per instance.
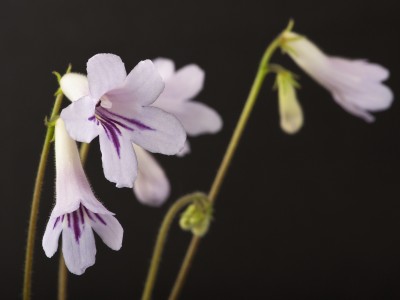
(313, 216)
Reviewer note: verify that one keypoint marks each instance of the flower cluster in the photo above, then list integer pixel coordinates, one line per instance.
(147, 110)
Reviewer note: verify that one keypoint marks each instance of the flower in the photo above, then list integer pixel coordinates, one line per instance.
(289, 108)
(116, 107)
(152, 186)
(77, 211)
(356, 85)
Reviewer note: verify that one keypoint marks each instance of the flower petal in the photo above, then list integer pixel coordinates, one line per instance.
(368, 96)
(74, 86)
(119, 160)
(165, 67)
(142, 86)
(51, 236)
(108, 228)
(79, 254)
(197, 118)
(353, 109)
(186, 83)
(105, 72)
(185, 150)
(161, 132)
(151, 185)
(360, 68)
(77, 117)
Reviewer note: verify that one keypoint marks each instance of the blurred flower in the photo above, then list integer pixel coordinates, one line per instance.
(77, 211)
(116, 107)
(152, 186)
(290, 110)
(356, 85)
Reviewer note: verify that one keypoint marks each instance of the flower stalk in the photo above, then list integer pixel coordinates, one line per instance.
(263, 70)
(162, 236)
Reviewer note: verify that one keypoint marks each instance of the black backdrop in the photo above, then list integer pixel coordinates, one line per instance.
(312, 216)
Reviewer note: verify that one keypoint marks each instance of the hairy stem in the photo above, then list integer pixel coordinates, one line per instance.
(37, 191)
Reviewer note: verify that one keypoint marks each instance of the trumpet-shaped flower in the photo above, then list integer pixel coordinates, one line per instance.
(116, 107)
(290, 111)
(77, 211)
(152, 186)
(356, 85)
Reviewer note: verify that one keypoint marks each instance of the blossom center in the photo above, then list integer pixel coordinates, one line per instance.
(75, 220)
(114, 123)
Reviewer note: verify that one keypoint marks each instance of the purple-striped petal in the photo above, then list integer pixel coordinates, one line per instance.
(119, 160)
(78, 245)
(108, 228)
(51, 236)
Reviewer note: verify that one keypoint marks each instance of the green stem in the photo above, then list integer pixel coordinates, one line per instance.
(62, 269)
(161, 238)
(226, 161)
(30, 245)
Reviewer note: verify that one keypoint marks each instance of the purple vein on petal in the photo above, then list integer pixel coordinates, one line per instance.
(135, 122)
(56, 221)
(81, 214)
(88, 213)
(100, 219)
(112, 136)
(76, 228)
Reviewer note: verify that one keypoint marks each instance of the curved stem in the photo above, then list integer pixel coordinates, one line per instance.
(161, 238)
(226, 161)
(30, 245)
(62, 268)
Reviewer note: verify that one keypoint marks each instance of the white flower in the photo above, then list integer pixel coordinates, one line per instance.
(116, 107)
(356, 85)
(152, 186)
(77, 211)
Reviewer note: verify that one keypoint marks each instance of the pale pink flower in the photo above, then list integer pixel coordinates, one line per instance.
(356, 85)
(77, 211)
(116, 107)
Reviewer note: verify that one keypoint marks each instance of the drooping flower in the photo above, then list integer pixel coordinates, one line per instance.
(290, 111)
(356, 85)
(77, 211)
(152, 186)
(116, 107)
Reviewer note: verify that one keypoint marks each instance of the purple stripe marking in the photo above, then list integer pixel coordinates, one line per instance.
(81, 213)
(103, 114)
(100, 219)
(113, 137)
(88, 213)
(76, 228)
(55, 223)
(132, 121)
(69, 220)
